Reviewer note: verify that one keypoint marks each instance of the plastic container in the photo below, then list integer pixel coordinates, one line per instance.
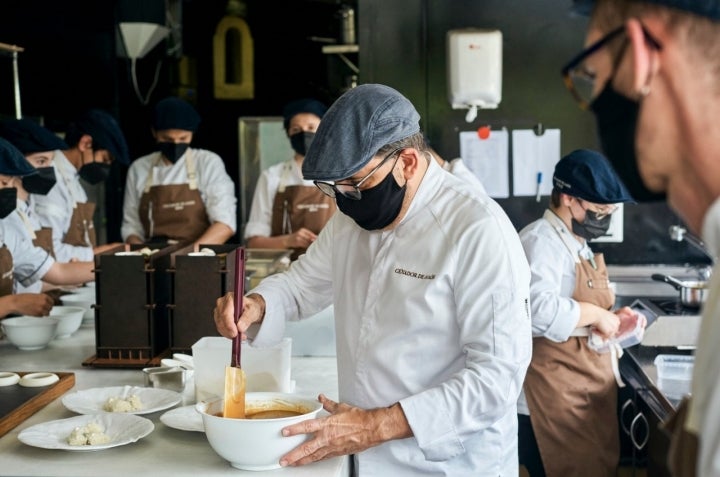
(625, 340)
(674, 374)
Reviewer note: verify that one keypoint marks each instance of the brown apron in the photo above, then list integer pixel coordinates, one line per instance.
(43, 239)
(572, 393)
(6, 271)
(81, 232)
(174, 211)
(299, 206)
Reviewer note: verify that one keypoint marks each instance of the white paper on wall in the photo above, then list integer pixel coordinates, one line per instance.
(534, 158)
(488, 160)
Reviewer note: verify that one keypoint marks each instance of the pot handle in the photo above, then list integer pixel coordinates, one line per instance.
(668, 279)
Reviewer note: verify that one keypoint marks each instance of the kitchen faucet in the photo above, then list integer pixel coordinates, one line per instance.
(679, 233)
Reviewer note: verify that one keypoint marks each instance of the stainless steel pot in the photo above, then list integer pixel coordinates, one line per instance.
(693, 293)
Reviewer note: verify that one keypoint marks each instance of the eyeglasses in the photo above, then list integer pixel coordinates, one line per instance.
(580, 80)
(351, 190)
(600, 211)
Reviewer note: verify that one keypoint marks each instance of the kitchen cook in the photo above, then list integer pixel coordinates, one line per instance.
(570, 391)
(655, 98)
(95, 141)
(178, 193)
(289, 211)
(20, 260)
(429, 368)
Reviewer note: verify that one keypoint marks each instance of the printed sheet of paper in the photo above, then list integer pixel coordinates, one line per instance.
(534, 158)
(488, 160)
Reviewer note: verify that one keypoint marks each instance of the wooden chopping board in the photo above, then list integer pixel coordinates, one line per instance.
(18, 403)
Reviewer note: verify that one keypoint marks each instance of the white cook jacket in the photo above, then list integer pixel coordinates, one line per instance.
(18, 226)
(260, 219)
(555, 313)
(458, 168)
(217, 189)
(55, 209)
(30, 263)
(704, 413)
(433, 314)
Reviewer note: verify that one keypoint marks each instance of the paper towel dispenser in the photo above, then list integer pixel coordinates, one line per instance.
(474, 69)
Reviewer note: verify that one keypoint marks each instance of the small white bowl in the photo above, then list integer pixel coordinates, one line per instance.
(82, 300)
(70, 319)
(256, 444)
(29, 332)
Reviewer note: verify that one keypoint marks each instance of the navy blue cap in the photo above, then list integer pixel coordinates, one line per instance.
(704, 8)
(175, 113)
(355, 128)
(105, 132)
(30, 137)
(12, 161)
(589, 176)
(305, 105)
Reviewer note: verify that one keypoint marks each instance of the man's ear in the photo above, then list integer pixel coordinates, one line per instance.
(644, 57)
(410, 159)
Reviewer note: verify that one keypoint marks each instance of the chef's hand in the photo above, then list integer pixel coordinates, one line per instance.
(348, 430)
(629, 319)
(224, 314)
(300, 239)
(607, 324)
(32, 304)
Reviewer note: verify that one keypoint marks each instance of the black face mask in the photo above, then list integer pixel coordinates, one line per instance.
(40, 183)
(8, 201)
(301, 141)
(172, 150)
(591, 227)
(616, 118)
(95, 172)
(377, 207)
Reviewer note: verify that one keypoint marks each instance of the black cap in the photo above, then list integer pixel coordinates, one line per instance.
(105, 132)
(30, 137)
(305, 105)
(175, 113)
(704, 8)
(12, 162)
(588, 175)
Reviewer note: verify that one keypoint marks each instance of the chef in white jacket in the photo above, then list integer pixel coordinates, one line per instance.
(178, 193)
(95, 141)
(430, 287)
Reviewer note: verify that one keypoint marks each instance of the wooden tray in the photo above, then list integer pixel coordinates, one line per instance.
(18, 403)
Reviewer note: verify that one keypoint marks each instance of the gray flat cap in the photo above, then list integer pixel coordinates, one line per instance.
(353, 130)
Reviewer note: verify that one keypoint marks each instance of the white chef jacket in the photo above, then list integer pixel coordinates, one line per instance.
(30, 263)
(555, 313)
(458, 168)
(22, 221)
(704, 412)
(433, 314)
(217, 189)
(286, 173)
(55, 209)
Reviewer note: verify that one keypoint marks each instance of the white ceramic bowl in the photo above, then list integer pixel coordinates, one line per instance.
(70, 319)
(83, 300)
(29, 332)
(256, 444)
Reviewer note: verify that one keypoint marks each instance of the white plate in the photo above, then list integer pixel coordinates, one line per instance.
(91, 401)
(185, 418)
(122, 429)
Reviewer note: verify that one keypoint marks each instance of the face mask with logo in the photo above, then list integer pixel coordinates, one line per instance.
(8, 201)
(378, 206)
(616, 118)
(40, 183)
(172, 150)
(95, 172)
(301, 141)
(591, 227)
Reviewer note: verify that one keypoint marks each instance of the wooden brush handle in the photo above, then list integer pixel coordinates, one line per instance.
(239, 293)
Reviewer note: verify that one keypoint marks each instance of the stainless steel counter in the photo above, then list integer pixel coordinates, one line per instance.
(166, 451)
